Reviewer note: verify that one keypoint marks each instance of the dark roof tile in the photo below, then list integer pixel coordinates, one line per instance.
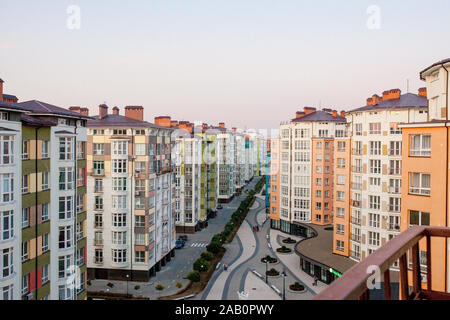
(320, 116)
(408, 100)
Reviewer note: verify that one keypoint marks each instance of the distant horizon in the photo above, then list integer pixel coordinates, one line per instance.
(250, 64)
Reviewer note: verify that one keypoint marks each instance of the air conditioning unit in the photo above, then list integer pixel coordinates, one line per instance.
(385, 217)
(137, 193)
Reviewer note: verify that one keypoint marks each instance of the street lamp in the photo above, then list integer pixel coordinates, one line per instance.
(128, 276)
(283, 274)
(267, 266)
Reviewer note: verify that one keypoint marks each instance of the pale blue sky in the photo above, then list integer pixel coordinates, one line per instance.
(248, 63)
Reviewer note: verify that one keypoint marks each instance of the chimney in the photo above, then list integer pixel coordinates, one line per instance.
(163, 121)
(1, 90)
(134, 112)
(334, 114)
(234, 129)
(342, 114)
(423, 92)
(309, 110)
(395, 93)
(116, 110)
(204, 126)
(102, 111)
(299, 114)
(84, 111)
(376, 99)
(173, 123)
(369, 102)
(222, 124)
(75, 109)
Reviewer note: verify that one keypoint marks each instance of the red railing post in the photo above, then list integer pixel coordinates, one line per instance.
(404, 277)
(428, 262)
(387, 285)
(417, 282)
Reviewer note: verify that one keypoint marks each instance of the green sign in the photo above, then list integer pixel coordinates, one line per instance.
(335, 272)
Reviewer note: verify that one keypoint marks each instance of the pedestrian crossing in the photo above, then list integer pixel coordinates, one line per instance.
(199, 244)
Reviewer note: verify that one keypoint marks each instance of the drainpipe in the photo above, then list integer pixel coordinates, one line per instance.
(446, 177)
(35, 212)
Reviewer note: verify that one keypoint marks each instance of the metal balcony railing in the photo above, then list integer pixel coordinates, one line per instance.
(353, 284)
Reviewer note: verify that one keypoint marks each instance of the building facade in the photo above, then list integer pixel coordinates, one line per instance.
(131, 220)
(305, 170)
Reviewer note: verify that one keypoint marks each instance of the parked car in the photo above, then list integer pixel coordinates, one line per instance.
(179, 244)
(183, 237)
(219, 206)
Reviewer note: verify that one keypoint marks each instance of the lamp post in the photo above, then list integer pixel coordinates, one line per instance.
(128, 276)
(267, 266)
(283, 274)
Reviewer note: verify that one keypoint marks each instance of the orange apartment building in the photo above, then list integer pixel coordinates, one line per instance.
(425, 174)
(275, 183)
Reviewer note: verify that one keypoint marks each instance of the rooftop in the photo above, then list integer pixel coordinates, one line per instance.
(320, 249)
(432, 66)
(117, 120)
(408, 100)
(43, 108)
(320, 116)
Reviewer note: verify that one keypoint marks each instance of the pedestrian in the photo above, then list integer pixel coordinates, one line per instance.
(225, 267)
(314, 281)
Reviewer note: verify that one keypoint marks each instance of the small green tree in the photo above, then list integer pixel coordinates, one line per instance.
(214, 247)
(201, 265)
(207, 256)
(194, 276)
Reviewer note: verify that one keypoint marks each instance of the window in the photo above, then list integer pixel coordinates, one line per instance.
(341, 179)
(80, 257)
(66, 177)
(374, 202)
(340, 212)
(341, 163)
(65, 149)
(375, 148)
(119, 255)
(25, 280)
(119, 237)
(45, 270)
(25, 251)
(45, 180)
(120, 147)
(98, 203)
(80, 177)
(45, 242)
(6, 188)
(140, 221)
(6, 262)
(65, 292)
(25, 218)
(140, 149)
(45, 213)
(80, 203)
(64, 266)
(419, 184)
(420, 145)
(65, 237)
(6, 149)
(340, 245)
(119, 220)
(25, 147)
(80, 149)
(119, 202)
(119, 184)
(6, 225)
(418, 218)
(120, 166)
(98, 258)
(79, 230)
(139, 239)
(45, 149)
(139, 167)
(395, 148)
(139, 256)
(358, 129)
(394, 204)
(139, 203)
(98, 220)
(375, 128)
(98, 185)
(374, 238)
(65, 207)
(375, 166)
(99, 167)
(25, 179)
(340, 229)
(341, 196)
(99, 149)
(374, 220)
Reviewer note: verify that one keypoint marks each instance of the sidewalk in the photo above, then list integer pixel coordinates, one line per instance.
(292, 261)
(257, 289)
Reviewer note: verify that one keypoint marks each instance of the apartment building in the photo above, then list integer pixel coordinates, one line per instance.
(226, 159)
(305, 170)
(267, 173)
(42, 241)
(425, 176)
(274, 209)
(240, 158)
(368, 198)
(131, 206)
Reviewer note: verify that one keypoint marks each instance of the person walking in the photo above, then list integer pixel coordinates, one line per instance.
(314, 281)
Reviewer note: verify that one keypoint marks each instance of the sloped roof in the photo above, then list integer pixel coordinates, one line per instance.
(39, 107)
(432, 66)
(9, 97)
(408, 100)
(320, 116)
(117, 120)
(34, 121)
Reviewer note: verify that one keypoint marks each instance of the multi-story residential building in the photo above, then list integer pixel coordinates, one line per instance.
(42, 242)
(274, 175)
(239, 159)
(131, 209)
(267, 173)
(305, 169)
(226, 159)
(425, 174)
(368, 165)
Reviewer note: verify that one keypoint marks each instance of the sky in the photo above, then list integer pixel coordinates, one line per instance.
(248, 63)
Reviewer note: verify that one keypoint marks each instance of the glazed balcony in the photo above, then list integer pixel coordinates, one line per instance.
(353, 284)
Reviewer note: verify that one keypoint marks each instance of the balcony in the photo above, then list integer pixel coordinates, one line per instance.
(357, 152)
(353, 284)
(356, 203)
(394, 190)
(356, 238)
(356, 169)
(395, 171)
(356, 186)
(356, 221)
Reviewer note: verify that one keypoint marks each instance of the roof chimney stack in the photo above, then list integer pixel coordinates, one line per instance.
(102, 111)
(116, 110)
(222, 124)
(342, 114)
(75, 109)
(423, 92)
(309, 110)
(134, 112)
(84, 111)
(163, 121)
(1, 90)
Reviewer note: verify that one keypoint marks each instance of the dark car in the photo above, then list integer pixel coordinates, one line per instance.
(183, 237)
(179, 244)
(219, 206)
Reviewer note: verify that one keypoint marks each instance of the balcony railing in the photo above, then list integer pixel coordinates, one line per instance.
(356, 169)
(356, 221)
(356, 203)
(353, 284)
(356, 186)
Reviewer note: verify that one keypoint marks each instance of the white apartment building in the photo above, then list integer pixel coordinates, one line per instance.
(226, 186)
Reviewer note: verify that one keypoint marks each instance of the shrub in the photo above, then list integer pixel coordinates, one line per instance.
(201, 265)
(214, 247)
(289, 240)
(159, 287)
(110, 284)
(284, 249)
(272, 272)
(296, 287)
(270, 259)
(208, 256)
(137, 287)
(178, 285)
(194, 276)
